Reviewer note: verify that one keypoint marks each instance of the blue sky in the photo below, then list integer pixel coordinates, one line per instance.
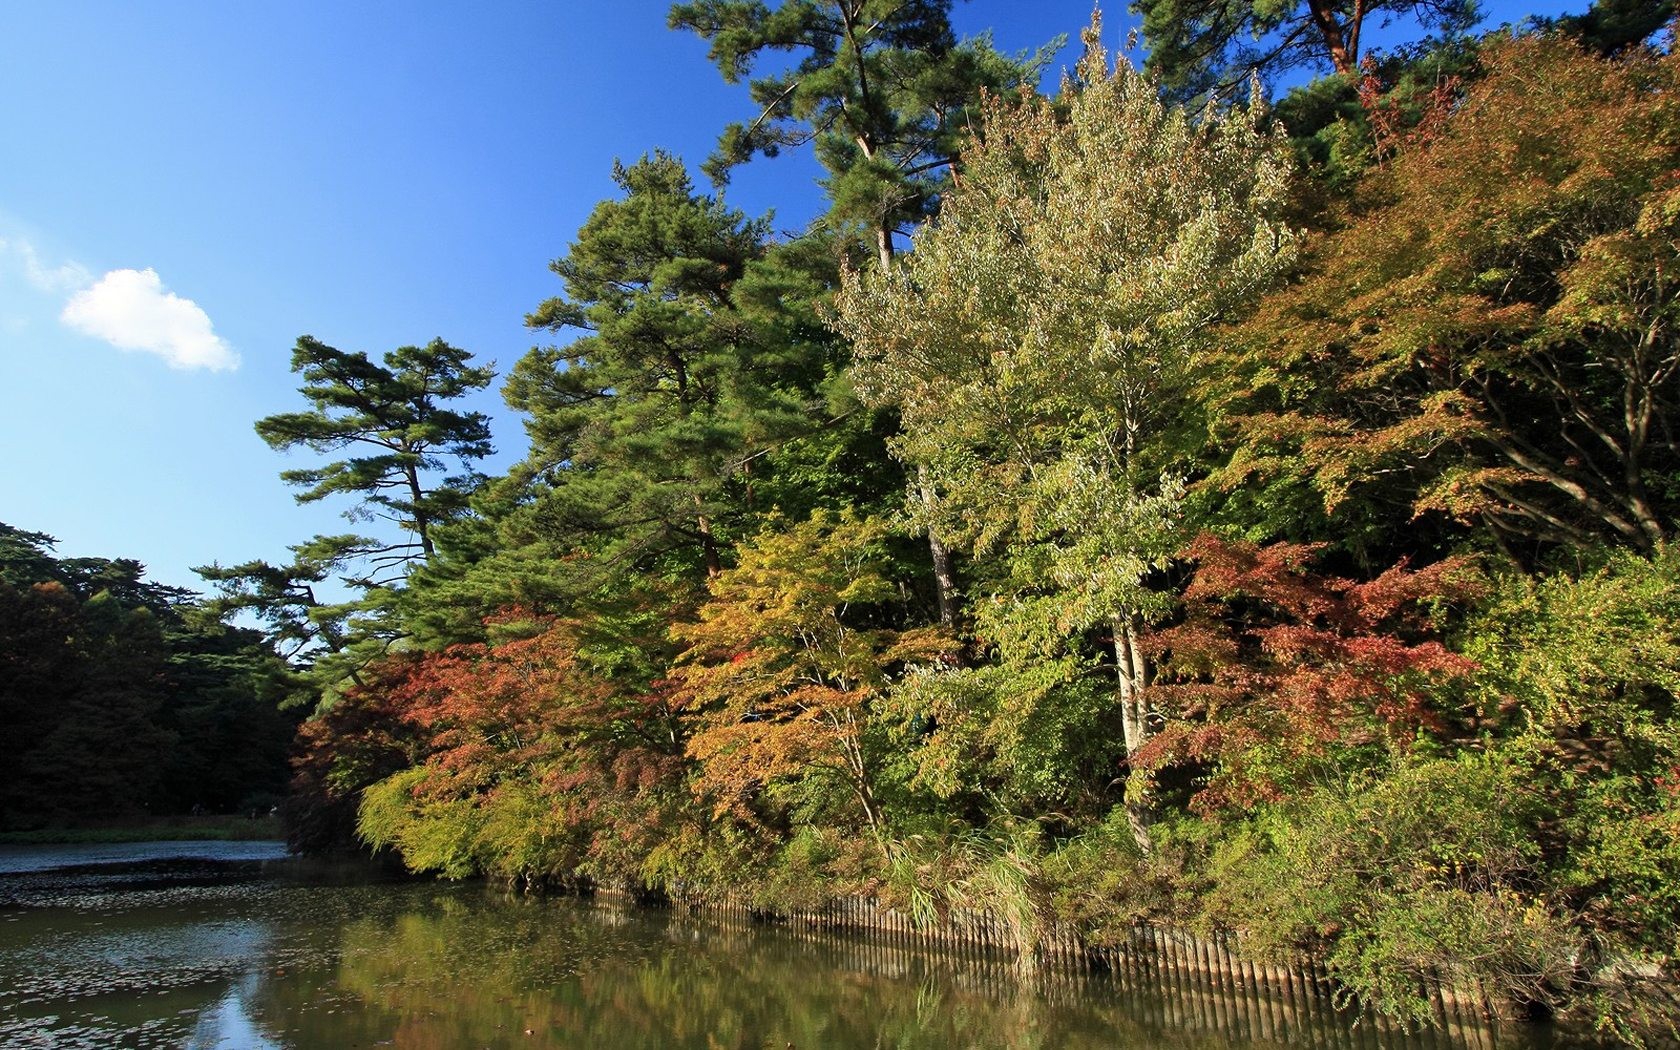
(190, 185)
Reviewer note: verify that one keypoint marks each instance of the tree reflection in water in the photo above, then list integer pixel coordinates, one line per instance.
(477, 971)
(240, 955)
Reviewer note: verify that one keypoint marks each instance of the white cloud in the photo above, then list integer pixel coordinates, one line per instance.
(132, 310)
(57, 279)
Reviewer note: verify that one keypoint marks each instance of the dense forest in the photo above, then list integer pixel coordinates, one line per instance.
(1206, 495)
(123, 698)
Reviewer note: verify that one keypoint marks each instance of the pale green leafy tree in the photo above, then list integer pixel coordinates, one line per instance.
(1040, 336)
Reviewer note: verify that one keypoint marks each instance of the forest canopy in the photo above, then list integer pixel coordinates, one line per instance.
(1142, 502)
(124, 698)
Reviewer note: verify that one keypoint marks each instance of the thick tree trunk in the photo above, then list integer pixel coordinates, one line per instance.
(1342, 47)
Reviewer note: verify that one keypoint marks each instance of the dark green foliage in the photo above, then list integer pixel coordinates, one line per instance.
(1204, 48)
(283, 597)
(103, 755)
(881, 88)
(307, 617)
(1611, 26)
(120, 697)
(228, 714)
(26, 557)
(886, 95)
(699, 392)
(331, 609)
(639, 428)
(397, 416)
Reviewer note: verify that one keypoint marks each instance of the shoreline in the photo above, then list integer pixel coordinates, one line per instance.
(178, 828)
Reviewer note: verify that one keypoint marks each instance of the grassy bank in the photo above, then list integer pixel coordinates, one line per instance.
(179, 828)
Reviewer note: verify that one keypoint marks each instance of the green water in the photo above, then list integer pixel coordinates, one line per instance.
(226, 945)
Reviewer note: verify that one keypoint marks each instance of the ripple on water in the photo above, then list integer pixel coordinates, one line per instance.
(93, 938)
(184, 952)
(126, 962)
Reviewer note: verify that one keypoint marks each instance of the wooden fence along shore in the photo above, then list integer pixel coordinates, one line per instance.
(1177, 982)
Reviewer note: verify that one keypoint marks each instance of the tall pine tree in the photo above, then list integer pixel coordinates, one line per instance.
(884, 92)
(640, 427)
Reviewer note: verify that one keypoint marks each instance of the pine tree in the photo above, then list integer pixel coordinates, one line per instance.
(884, 93)
(398, 417)
(639, 427)
(1203, 47)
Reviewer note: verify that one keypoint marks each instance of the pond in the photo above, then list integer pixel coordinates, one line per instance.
(235, 945)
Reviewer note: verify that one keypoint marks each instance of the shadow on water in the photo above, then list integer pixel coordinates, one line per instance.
(243, 952)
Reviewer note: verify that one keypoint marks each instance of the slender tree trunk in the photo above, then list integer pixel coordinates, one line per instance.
(422, 527)
(1131, 671)
(944, 580)
(1637, 410)
(847, 731)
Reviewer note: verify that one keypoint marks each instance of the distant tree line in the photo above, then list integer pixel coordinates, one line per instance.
(121, 698)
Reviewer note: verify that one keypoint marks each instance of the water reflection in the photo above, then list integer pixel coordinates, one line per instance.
(562, 974)
(241, 954)
(229, 1024)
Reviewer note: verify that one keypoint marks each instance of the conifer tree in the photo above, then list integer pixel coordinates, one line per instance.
(640, 425)
(1202, 46)
(398, 422)
(884, 92)
(398, 418)
(118, 695)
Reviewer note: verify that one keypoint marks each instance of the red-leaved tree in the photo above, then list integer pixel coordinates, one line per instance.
(535, 763)
(1272, 669)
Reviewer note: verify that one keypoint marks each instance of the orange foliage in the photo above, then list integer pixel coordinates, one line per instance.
(785, 660)
(1489, 333)
(530, 711)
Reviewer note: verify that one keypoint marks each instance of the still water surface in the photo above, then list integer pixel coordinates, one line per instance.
(231, 945)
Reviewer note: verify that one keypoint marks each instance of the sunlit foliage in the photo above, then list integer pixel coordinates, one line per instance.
(1314, 524)
(787, 661)
(1490, 335)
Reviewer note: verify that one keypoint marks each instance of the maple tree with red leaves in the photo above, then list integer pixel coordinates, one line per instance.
(528, 727)
(1271, 665)
(355, 743)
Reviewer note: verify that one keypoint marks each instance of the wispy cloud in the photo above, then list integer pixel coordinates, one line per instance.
(58, 280)
(132, 310)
